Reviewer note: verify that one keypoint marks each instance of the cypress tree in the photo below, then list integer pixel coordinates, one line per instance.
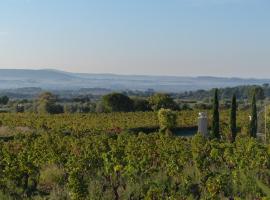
(215, 120)
(254, 119)
(233, 118)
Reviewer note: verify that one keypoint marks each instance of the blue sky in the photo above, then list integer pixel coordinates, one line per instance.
(155, 37)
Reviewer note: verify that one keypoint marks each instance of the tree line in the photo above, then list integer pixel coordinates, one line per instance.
(129, 101)
(253, 124)
(114, 102)
(241, 92)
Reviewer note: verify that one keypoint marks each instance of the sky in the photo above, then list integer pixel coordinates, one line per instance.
(154, 37)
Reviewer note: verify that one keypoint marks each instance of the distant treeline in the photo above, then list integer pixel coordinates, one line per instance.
(129, 101)
(241, 92)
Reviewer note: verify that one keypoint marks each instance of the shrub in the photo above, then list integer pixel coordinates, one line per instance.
(117, 102)
(167, 119)
(50, 177)
(160, 100)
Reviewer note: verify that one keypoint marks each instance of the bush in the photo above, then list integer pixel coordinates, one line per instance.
(55, 109)
(117, 102)
(167, 119)
(47, 104)
(160, 100)
(50, 177)
(141, 105)
(4, 100)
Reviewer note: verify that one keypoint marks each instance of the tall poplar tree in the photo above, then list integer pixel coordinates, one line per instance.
(233, 118)
(215, 120)
(254, 118)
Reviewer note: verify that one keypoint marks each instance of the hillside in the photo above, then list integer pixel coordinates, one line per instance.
(60, 80)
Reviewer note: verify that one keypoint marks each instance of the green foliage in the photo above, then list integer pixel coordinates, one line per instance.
(167, 119)
(199, 149)
(265, 188)
(50, 177)
(215, 133)
(254, 118)
(47, 104)
(141, 105)
(258, 91)
(233, 125)
(84, 156)
(159, 100)
(241, 92)
(126, 166)
(117, 102)
(77, 187)
(4, 100)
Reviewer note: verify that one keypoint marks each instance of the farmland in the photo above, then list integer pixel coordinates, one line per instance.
(95, 156)
(87, 123)
(123, 154)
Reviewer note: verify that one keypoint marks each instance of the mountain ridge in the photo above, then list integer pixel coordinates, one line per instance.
(52, 79)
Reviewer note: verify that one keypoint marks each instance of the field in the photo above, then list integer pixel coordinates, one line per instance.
(97, 156)
(89, 123)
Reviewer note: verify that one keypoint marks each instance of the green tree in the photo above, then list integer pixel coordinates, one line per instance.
(167, 119)
(45, 100)
(141, 105)
(4, 100)
(215, 121)
(47, 104)
(159, 100)
(117, 102)
(233, 118)
(254, 119)
(258, 91)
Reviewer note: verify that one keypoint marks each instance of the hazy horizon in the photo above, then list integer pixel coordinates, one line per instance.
(123, 74)
(223, 38)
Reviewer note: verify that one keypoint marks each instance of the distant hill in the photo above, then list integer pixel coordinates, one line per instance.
(60, 80)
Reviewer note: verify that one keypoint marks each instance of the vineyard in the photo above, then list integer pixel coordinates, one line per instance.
(134, 100)
(95, 156)
(89, 123)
